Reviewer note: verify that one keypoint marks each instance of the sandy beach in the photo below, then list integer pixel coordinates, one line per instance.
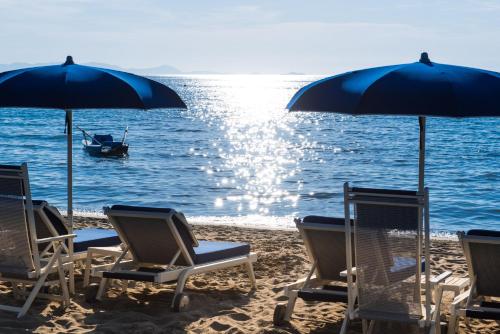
(220, 303)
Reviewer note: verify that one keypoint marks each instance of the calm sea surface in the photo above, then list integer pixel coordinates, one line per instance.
(237, 155)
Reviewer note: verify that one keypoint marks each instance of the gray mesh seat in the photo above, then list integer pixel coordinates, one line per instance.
(324, 238)
(164, 249)
(390, 231)
(482, 252)
(20, 259)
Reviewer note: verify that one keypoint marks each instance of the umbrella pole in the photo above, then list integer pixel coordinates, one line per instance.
(421, 158)
(69, 117)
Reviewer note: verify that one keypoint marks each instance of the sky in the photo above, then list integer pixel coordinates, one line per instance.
(262, 36)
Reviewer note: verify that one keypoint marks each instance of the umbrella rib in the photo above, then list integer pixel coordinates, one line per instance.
(396, 67)
(128, 85)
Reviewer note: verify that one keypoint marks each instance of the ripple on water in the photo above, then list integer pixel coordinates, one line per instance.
(237, 153)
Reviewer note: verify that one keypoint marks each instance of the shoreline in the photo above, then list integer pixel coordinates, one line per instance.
(270, 223)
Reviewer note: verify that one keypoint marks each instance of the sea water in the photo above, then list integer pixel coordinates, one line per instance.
(236, 156)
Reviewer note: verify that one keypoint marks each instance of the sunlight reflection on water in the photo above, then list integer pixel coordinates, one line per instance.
(237, 153)
(255, 146)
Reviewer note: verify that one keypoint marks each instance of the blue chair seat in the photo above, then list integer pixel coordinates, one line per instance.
(209, 251)
(94, 237)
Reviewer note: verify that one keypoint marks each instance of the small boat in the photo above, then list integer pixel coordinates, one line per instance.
(104, 145)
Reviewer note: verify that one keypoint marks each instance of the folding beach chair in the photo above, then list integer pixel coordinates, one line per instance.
(164, 250)
(390, 229)
(21, 263)
(482, 252)
(324, 238)
(50, 223)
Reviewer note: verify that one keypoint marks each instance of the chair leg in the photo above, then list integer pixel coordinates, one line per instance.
(33, 294)
(251, 274)
(364, 326)
(345, 323)
(62, 281)
(15, 291)
(371, 326)
(124, 286)
(181, 281)
(39, 283)
(292, 298)
(102, 287)
(72, 278)
(453, 323)
(88, 265)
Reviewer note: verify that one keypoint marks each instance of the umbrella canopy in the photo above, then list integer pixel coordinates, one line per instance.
(423, 88)
(70, 86)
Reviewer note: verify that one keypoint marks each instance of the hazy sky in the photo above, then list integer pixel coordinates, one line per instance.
(236, 36)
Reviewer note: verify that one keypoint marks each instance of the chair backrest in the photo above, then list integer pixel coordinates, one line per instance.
(324, 238)
(388, 227)
(48, 221)
(482, 251)
(18, 248)
(154, 235)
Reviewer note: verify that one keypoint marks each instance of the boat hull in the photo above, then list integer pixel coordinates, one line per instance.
(116, 149)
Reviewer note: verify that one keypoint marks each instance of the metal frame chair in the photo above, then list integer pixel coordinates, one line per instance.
(163, 249)
(324, 238)
(391, 229)
(21, 263)
(50, 223)
(482, 252)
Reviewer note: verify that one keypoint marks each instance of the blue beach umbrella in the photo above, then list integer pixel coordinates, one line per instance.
(423, 88)
(70, 86)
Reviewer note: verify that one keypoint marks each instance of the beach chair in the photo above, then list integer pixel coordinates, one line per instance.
(324, 238)
(50, 223)
(482, 252)
(164, 250)
(21, 263)
(390, 230)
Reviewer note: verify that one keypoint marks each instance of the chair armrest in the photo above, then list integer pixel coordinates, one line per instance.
(298, 284)
(344, 272)
(441, 277)
(460, 299)
(56, 238)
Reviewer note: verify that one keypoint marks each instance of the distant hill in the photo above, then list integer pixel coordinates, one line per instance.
(157, 70)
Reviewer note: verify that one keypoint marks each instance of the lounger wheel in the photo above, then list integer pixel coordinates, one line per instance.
(279, 314)
(180, 303)
(91, 293)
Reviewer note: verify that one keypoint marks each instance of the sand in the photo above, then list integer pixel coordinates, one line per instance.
(221, 302)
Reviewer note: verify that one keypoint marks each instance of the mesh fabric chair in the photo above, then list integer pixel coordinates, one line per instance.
(21, 263)
(164, 250)
(390, 229)
(50, 223)
(482, 252)
(324, 238)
